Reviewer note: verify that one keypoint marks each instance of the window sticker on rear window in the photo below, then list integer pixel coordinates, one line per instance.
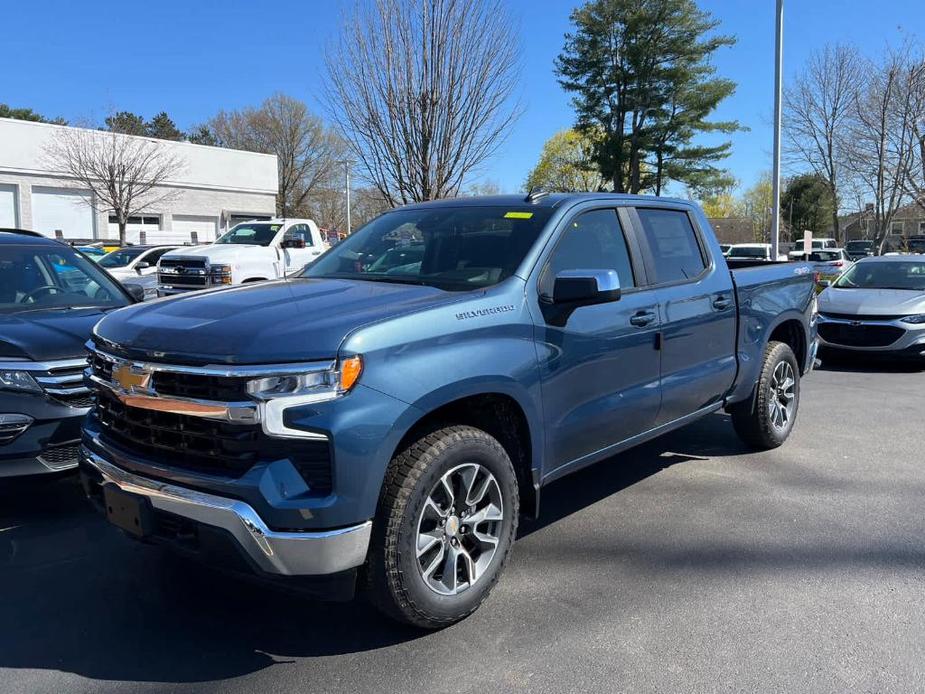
(519, 215)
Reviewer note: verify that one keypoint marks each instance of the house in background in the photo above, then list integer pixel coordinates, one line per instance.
(215, 189)
(908, 221)
(733, 229)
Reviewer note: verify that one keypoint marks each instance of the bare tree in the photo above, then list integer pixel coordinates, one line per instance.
(880, 142)
(421, 91)
(125, 174)
(306, 151)
(913, 111)
(819, 105)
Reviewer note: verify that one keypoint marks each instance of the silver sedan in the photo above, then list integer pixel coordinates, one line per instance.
(876, 306)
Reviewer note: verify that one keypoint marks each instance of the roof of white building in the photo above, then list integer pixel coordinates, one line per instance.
(23, 146)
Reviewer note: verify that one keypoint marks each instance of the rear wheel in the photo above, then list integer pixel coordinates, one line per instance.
(445, 526)
(766, 420)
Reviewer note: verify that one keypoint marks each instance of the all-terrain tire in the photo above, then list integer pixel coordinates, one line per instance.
(394, 580)
(753, 419)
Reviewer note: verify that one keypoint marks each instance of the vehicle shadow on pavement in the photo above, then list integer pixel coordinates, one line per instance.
(79, 597)
(710, 437)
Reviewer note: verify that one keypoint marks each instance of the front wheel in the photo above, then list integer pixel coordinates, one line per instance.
(766, 420)
(446, 522)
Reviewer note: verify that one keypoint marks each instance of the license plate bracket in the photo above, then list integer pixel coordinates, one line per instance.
(130, 512)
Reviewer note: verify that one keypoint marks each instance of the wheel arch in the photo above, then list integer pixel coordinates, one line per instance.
(498, 413)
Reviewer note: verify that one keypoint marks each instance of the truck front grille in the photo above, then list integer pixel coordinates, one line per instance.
(207, 446)
(863, 335)
(183, 385)
(192, 273)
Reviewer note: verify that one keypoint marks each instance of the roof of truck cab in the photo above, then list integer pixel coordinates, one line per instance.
(21, 236)
(550, 200)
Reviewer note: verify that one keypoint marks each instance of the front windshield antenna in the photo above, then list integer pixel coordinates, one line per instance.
(535, 194)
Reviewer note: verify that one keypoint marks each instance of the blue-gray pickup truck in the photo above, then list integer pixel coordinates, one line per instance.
(382, 420)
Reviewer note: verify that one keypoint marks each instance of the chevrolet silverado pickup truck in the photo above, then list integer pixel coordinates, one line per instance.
(382, 420)
(248, 252)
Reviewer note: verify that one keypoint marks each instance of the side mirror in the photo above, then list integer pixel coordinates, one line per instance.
(136, 291)
(293, 243)
(824, 283)
(143, 265)
(586, 287)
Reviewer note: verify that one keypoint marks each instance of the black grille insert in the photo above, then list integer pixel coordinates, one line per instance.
(864, 335)
(208, 446)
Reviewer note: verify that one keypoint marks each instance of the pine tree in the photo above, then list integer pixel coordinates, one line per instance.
(163, 128)
(641, 75)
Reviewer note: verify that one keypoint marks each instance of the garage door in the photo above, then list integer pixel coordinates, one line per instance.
(62, 209)
(185, 225)
(8, 206)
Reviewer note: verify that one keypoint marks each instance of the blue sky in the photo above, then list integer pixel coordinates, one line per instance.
(81, 60)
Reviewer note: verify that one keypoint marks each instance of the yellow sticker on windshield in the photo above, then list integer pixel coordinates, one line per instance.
(518, 215)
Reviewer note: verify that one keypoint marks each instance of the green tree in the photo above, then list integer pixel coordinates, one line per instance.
(641, 74)
(163, 128)
(807, 204)
(202, 135)
(758, 202)
(721, 204)
(567, 164)
(27, 114)
(126, 123)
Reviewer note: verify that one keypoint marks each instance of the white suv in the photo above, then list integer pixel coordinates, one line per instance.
(248, 252)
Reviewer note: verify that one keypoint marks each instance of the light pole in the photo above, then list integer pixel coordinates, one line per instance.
(778, 89)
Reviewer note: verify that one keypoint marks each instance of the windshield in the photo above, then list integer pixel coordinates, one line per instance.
(251, 233)
(38, 277)
(747, 252)
(120, 258)
(885, 275)
(824, 256)
(859, 245)
(452, 248)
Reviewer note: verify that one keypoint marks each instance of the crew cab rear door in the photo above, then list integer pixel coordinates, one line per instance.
(598, 364)
(698, 311)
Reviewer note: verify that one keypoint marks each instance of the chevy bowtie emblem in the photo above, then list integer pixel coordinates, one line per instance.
(130, 379)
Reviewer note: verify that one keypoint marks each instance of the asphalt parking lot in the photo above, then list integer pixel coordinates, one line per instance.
(688, 564)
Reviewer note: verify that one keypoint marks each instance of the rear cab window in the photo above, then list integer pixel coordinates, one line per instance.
(676, 253)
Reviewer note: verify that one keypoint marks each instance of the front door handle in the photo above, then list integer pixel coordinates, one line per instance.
(721, 303)
(642, 318)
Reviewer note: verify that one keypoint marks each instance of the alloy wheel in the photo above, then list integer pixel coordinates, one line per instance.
(459, 529)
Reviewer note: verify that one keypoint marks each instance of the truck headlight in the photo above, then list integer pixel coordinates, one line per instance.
(318, 385)
(221, 274)
(18, 380)
(915, 320)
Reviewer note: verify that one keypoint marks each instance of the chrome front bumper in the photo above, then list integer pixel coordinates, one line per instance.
(280, 553)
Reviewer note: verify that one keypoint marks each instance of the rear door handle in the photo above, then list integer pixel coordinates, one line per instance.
(642, 318)
(721, 303)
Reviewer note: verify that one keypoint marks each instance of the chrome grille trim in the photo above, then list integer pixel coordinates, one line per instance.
(269, 413)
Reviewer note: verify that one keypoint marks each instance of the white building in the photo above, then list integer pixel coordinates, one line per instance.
(215, 189)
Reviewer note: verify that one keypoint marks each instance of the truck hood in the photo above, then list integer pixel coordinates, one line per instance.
(872, 302)
(272, 322)
(216, 252)
(47, 335)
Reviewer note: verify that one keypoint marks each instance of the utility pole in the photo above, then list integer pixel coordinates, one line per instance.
(778, 89)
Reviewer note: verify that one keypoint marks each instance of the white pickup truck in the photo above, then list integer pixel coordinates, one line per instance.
(248, 252)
